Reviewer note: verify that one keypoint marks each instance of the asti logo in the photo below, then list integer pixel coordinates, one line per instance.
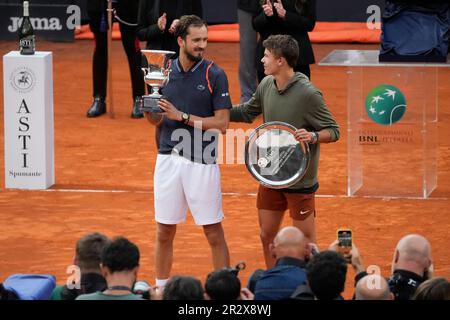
(23, 79)
(385, 104)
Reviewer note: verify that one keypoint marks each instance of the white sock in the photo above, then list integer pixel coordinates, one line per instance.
(161, 282)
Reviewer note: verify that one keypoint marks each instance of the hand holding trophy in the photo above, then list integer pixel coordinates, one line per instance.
(156, 76)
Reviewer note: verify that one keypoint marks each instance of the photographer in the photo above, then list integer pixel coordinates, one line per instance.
(327, 272)
(224, 284)
(290, 249)
(433, 289)
(119, 266)
(87, 257)
(373, 287)
(411, 265)
(183, 288)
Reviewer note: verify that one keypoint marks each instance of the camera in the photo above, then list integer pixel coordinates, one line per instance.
(240, 266)
(143, 288)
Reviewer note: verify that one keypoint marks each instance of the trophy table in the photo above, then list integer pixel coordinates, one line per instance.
(392, 124)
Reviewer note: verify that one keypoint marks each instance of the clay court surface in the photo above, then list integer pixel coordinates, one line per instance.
(104, 182)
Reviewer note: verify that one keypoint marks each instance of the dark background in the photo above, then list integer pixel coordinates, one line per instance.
(224, 11)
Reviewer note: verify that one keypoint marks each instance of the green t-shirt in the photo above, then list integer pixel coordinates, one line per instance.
(299, 104)
(56, 294)
(101, 296)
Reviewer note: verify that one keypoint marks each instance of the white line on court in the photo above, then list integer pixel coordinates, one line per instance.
(96, 191)
(241, 194)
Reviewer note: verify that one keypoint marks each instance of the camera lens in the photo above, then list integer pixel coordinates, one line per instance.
(141, 287)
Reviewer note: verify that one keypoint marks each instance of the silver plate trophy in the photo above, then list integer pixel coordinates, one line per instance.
(274, 157)
(156, 76)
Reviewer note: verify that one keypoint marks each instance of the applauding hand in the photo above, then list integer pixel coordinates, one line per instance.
(162, 21)
(174, 25)
(280, 9)
(267, 7)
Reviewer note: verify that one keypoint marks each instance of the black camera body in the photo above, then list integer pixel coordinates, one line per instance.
(142, 288)
(240, 266)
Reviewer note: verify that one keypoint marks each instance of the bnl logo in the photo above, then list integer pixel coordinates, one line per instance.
(385, 104)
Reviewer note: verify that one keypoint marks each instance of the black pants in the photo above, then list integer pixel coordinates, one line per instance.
(130, 44)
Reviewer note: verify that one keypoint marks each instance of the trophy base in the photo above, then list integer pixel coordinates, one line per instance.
(150, 104)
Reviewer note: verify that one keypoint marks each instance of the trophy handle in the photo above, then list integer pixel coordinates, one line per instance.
(145, 70)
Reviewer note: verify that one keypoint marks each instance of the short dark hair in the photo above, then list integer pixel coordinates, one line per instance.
(120, 255)
(433, 289)
(89, 250)
(223, 285)
(326, 273)
(187, 21)
(183, 288)
(283, 46)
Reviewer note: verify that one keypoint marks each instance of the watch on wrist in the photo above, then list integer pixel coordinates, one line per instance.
(185, 117)
(315, 137)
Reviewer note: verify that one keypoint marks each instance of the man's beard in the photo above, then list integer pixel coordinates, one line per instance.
(192, 57)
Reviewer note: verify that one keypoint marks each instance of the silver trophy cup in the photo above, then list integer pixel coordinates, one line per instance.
(156, 76)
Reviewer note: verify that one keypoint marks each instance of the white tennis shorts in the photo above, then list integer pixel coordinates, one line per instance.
(179, 184)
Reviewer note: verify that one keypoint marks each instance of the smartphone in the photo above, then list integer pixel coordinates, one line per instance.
(344, 238)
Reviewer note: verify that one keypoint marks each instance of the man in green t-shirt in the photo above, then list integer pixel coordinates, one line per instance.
(87, 258)
(120, 265)
(288, 96)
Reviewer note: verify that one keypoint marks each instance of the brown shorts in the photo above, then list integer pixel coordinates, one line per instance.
(300, 205)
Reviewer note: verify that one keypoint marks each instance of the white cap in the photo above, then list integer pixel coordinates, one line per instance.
(25, 8)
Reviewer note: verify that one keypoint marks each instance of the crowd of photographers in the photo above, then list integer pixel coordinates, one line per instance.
(109, 270)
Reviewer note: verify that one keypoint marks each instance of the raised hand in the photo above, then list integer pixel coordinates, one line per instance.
(162, 21)
(174, 25)
(267, 7)
(281, 12)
